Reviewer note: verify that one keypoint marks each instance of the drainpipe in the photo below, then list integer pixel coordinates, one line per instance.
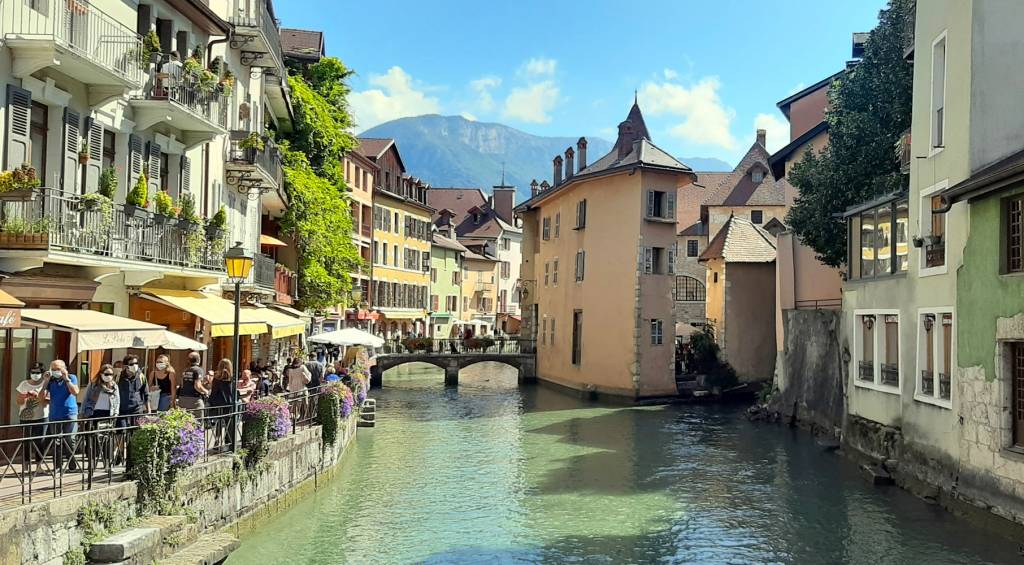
(209, 47)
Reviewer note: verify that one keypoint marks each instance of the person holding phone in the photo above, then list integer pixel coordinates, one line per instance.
(62, 389)
(33, 409)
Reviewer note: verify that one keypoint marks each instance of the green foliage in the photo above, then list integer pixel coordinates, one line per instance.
(139, 194)
(75, 557)
(150, 47)
(165, 205)
(703, 358)
(194, 242)
(21, 178)
(327, 411)
(256, 437)
(108, 182)
(252, 141)
(869, 109)
(207, 81)
(150, 459)
(187, 210)
(97, 521)
(220, 219)
(192, 66)
(22, 226)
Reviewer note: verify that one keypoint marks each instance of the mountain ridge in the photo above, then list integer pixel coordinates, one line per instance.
(454, 151)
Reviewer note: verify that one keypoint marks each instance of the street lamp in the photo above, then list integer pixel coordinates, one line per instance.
(238, 264)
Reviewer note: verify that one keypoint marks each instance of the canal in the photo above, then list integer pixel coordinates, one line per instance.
(492, 473)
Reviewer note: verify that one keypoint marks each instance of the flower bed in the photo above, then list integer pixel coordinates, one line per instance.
(264, 420)
(160, 448)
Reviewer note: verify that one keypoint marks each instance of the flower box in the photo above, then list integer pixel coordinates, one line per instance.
(20, 195)
(162, 220)
(137, 212)
(24, 240)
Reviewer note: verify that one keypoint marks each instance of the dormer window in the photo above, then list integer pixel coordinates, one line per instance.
(757, 175)
(476, 217)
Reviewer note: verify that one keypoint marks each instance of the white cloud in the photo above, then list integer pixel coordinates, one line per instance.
(703, 118)
(777, 131)
(670, 74)
(538, 67)
(397, 96)
(483, 87)
(800, 86)
(532, 103)
(468, 116)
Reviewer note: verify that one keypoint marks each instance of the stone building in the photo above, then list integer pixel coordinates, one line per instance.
(599, 251)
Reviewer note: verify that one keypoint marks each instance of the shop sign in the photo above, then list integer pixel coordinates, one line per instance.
(10, 317)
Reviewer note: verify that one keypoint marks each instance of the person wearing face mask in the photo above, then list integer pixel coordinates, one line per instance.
(166, 380)
(190, 394)
(33, 409)
(62, 389)
(132, 389)
(102, 397)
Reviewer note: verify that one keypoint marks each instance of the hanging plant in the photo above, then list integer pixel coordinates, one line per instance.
(327, 415)
(159, 450)
(252, 141)
(192, 67)
(207, 81)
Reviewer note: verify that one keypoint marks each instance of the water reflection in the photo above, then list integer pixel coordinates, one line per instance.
(490, 473)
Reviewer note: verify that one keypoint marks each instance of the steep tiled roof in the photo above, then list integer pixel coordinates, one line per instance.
(302, 43)
(373, 147)
(738, 188)
(697, 229)
(740, 241)
(458, 200)
(442, 241)
(643, 153)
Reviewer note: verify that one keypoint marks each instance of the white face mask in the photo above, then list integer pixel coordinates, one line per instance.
(134, 367)
(161, 366)
(36, 376)
(107, 377)
(56, 373)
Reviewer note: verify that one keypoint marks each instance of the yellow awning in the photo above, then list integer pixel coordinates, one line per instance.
(214, 309)
(97, 330)
(271, 241)
(8, 301)
(397, 315)
(281, 324)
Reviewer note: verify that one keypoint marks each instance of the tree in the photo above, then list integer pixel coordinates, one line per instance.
(319, 213)
(870, 108)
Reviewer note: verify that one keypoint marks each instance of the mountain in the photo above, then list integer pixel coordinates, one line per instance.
(454, 151)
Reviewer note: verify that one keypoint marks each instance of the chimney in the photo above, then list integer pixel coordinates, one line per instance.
(761, 135)
(544, 186)
(581, 148)
(557, 174)
(533, 188)
(504, 200)
(569, 168)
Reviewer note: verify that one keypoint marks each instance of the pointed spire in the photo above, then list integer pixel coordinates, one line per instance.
(635, 99)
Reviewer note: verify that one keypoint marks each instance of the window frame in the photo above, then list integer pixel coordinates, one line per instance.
(657, 327)
(581, 214)
(696, 289)
(937, 123)
(897, 226)
(760, 217)
(922, 353)
(926, 223)
(1012, 206)
(879, 350)
(692, 248)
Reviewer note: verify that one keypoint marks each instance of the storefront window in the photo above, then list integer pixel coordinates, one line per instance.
(21, 360)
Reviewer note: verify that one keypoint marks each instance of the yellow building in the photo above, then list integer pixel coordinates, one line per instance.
(479, 293)
(598, 264)
(400, 279)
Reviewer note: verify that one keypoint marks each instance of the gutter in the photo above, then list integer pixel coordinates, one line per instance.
(982, 185)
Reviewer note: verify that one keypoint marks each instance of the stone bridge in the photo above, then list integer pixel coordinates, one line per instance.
(452, 363)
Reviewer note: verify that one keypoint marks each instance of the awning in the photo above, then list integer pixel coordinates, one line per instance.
(214, 309)
(97, 330)
(180, 342)
(281, 324)
(8, 301)
(401, 315)
(271, 241)
(292, 311)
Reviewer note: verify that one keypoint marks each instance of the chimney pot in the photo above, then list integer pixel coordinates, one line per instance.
(557, 173)
(569, 168)
(533, 188)
(544, 186)
(761, 137)
(581, 148)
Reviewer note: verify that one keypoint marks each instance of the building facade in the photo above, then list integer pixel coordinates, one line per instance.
(479, 293)
(598, 266)
(446, 268)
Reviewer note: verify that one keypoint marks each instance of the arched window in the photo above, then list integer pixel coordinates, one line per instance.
(689, 289)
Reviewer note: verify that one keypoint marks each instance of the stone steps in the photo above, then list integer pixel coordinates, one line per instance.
(154, 538)
(208, 550)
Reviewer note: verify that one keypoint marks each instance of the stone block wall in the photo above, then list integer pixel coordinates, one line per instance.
(809, 371)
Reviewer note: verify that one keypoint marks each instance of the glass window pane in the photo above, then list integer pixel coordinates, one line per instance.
(21, 349)
(867, 244)
(883, 241)
(902, 235)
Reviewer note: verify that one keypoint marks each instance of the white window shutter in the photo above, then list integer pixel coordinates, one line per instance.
(650, 203)
(18, 150)
(670, 206)
(72, 139)
(94, 166)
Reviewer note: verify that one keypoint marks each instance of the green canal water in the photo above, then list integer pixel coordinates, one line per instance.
(492, 473)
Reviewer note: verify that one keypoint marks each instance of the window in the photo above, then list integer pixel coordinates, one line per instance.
(424, 261)
(506, 243)
(648, 260)
(394, 249)
(577, 337)
(935, 245)
(554, 272)
(456, 277)
(877, 343)
(935, 356)
(715, 277)
(552, 336)
(691, 248)
(1015, 235)
(1016, 366)
(581, 214)
(670, 265)
(506, 269)
(558, 224)
(376, 254)
(546, 233)
(109, 156)
(465, 303)
(938, 90)
(689, 289)
(661, 205)
(165, 170)
(433, 275)
(547, 272)
(879, 237)
(544, 331)
(657, 337)
(656, 257)
(757, 217)
(503, 300)
(581, 257)
(39, 134)
(756, 176)
(435, 303)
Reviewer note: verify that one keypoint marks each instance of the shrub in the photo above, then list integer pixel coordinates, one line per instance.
(280, 416)
(255, 436)
(108, 182)
(139, 194)
(187, 210)
(150, 46)
(220, 219)
(327, 411)
(159, 450)
(164, 204)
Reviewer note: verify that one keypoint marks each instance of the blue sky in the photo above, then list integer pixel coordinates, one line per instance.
(708, 72)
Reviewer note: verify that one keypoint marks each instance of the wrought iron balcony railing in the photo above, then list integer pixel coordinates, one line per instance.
(187, 92)
(267, 160)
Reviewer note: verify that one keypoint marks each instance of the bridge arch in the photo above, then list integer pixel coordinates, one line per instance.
(452, 364)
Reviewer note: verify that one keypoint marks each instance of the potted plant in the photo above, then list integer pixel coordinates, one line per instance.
(166, 214)
(252, 141)
(188, 219)
(150, 48)
(19, 184)
(108, 183)
(95, 201)
(192, 67)
(20, 233)
(218, 223)
(83, 153)
(207, 81)
(138, 199)
(932, 240)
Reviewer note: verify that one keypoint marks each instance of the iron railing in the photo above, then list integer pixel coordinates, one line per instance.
(55, 220)
(866, 371)
(286, 283)
(254, 14)
(79, 27)
(264, 271)
(51, 459)
(820, 304)
(186, 91)
(268, 159)
(470, 346)
(890, 374)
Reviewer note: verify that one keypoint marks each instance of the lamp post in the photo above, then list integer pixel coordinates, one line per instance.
(238, 265)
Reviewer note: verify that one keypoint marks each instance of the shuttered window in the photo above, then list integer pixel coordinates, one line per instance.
(18, 149)
(69, 160)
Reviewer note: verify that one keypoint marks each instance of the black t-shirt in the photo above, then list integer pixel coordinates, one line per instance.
(221, 393)
(316, 372)
(188, 381)
(131, 390)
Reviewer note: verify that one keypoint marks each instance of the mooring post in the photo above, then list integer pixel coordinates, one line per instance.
(451, 374)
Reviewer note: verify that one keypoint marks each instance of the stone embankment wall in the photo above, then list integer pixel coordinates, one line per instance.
(809, 372)
(44, 532)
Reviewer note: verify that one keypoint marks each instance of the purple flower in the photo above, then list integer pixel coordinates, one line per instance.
(189, 447)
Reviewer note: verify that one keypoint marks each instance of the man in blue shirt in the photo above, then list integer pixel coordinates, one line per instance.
(62, 389)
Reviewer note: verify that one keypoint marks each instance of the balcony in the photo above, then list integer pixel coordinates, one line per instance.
(257, 35)
(180, 100)
(255, 171)
(79, 40)
(263, 271)
(279, 95)
(51, 225)
(286, 285)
